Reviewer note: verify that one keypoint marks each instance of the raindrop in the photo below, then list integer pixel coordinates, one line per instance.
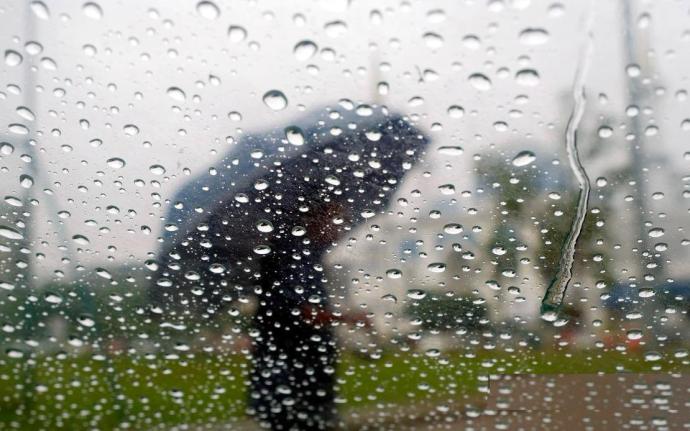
(453, 228)
(527, 77)
(416, 294)
(436, 267)
(92, 10)
(176, 94)
(116, 163)
(207, 9)
(656, 232)
(25, 113)
(81, 239)
(275, 100)
(394, 273)
(480, 82)
(294, 135)
(524, 158)
(14, 201)
(6, 148)
(456, 111)
(433, 40)
(534, 36)
(104, 273)
(13, 58)
(450, 150)
(157, 169)
(264, 226)
(447, 189)
(305, 50)
(26, 181)
(18, 129)
(130, 130)
(9, 233)
(40, 9)
(236, 33)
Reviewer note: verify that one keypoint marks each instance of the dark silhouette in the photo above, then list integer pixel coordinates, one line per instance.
(261, 226)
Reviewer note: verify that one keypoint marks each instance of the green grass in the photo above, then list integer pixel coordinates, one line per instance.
(82, 393)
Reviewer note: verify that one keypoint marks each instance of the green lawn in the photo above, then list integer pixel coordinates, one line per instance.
(82, 393)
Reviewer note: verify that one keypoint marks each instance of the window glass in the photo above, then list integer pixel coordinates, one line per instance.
(344, 214)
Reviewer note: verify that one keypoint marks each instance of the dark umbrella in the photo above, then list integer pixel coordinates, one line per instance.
(261, 226)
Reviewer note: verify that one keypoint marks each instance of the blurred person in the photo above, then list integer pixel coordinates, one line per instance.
(262, 225)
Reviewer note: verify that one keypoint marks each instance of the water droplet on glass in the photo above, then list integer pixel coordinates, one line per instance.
(157, 169)
(527, 77)
(394, 273)
(116, 163)
(236, 33)
(433, 40)
(416, 294)
(104, 273)
(26, 181)
(305, 50)
(450, 150)
(40, 9)
(656, 232)
(13, 58)
(81, 239)
(264, 226)
(25, 113)
(436, 267)
(176, 94)
(294, 135)
(453, 228)
(480, 82)
(524, 158)
(456, 111)
(207, 10)
(534, 36)
(10, 233)
(275, 100)
(18, 129)
(130, 130)
(6, 148)
(92, 10)
(447, 189)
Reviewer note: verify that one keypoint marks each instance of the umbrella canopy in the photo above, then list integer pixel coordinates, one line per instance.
(277, 194)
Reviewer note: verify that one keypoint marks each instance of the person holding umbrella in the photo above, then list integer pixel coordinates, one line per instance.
(262, 226)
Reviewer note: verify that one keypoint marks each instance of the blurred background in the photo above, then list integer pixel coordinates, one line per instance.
(109, 108)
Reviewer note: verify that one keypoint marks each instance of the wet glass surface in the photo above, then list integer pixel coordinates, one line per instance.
(344, 215)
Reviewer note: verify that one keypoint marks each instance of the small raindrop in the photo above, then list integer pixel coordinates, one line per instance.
(480, 82)
(208, 10)
(18, 129)
(116, 163)
(10, 233)
(294, 135)
(534, 36)
(81, 240)
(92, 10)
(236, 33)
(275, 100)
(40, 9)
(130, 130)
(527, 77)
(26, 181)
(157, 169)
(176, 94)
(524, 158)
(451, 150)
(305, 50)
(436, 267)
(394, 273)
(13, 58)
